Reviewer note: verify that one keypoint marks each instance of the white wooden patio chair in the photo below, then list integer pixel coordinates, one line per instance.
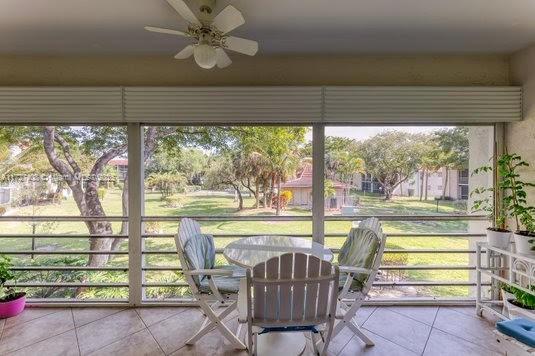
(359, 261)
(213, 288)
(294, 292)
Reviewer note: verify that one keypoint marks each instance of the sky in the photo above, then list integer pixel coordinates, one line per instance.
(363, 132)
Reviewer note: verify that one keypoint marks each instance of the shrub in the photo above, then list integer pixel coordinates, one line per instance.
(167, 183)
(2, 210)
(287, 195)
(152, 227)
(173, 201)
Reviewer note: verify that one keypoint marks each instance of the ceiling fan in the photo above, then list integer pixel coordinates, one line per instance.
(210, 34)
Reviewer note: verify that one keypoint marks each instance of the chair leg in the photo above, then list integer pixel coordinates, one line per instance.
(314, 343)
(208, 324)
(356, 329)
(213, 321)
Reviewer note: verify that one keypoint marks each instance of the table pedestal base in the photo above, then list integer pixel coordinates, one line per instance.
(281, 344)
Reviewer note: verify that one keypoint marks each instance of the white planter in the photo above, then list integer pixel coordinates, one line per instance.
(505, 297)
(498, 239)
(517, 312)
(522, 244)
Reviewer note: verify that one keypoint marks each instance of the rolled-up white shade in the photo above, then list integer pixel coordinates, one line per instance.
(332, 105)
(61, 104)
(224, 104)
(422, 104)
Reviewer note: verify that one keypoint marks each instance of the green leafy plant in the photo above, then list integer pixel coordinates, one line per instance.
(7, 293)
(523, 299)
(515, 199)
(484, 202)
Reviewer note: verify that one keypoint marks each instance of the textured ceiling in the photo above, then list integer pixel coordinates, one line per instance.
(58, 27)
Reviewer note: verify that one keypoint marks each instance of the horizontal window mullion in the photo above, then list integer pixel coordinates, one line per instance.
(48, 236)
(68, 268)
(41, 252)
(67, 285)
(61, 218)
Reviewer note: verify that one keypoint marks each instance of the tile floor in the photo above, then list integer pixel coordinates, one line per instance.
(162, 331)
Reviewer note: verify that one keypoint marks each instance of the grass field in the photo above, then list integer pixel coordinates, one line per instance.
(225, 205)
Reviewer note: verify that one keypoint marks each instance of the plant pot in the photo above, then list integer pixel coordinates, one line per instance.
(499, 239)
(13, 307)
(516, 311)
(522, 242)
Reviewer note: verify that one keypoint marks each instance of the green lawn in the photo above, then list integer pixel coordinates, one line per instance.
(225, 205)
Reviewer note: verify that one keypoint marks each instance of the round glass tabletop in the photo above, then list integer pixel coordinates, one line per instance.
(250, 251)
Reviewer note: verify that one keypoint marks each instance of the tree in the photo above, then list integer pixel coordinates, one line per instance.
(85, 187)
(221, 174)
(430, 162)
(391, 157)
(342, 158)
(453, 151)
(278, 152)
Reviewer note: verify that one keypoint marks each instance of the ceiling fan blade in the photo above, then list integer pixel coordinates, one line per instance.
(185, 53)
(228, 19)
(241, 45)
(165, 30)
(183, 10)
(222, 59)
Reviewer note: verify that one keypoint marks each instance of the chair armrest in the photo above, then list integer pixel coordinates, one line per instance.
(209, 272)
(351, 269)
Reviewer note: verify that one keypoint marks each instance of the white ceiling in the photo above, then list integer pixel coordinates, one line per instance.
(58, 27)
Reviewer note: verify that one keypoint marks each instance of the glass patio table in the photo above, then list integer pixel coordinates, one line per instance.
(250, 251)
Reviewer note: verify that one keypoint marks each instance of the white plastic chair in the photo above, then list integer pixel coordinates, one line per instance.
(360, 258)
(212, 288)
(294, 292)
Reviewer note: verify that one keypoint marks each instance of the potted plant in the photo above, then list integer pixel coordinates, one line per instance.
(521, 305)
(11, 302)
(498, 234)
(515, 202)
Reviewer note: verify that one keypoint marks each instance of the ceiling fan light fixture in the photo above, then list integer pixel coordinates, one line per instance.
(205, 55)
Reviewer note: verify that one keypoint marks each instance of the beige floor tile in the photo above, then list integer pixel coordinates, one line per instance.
(64, 344)
(340, 341)
(423, 314)
(468, 327)
(399, 329)
(468, 310)
(138, 344)
(382, 347)
(364, 313)
(95, 335)
(172, 333)
(25, 334)
(443, 344)
(154, 315)
(84, 316)
(213, 344)
(31, 314)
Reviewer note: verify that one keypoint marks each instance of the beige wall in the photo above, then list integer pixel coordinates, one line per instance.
(520, 136)
(275, 70)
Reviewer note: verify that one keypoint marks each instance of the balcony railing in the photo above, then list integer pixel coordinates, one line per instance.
(147, 252)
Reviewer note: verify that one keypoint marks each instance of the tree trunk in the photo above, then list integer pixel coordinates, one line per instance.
(240, 198)
(445, 182)
(426, 183)
(265, 193)
(256, 195)
(271, 190)
(278, 211)
(388, 192)
(422, 174)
